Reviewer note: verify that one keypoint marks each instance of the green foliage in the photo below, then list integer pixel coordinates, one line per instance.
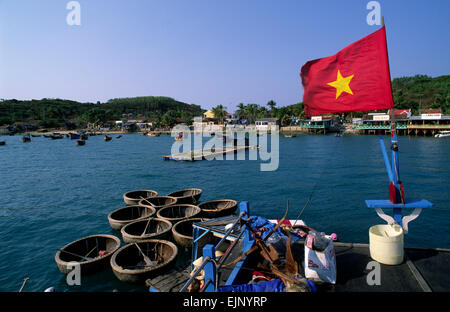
(421, 91)
(54, 112)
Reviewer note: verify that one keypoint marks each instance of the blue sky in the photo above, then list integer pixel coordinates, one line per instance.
(204, 52)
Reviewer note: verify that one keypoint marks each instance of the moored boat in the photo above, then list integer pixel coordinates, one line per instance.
(56, 136)
(125, 215)
(177, 212)
(119, 136)
(136, 262)
(182, 231)
(81, 142)
(153, 134)
(151, 228)
(133, 197)
(74, 136)
(36, 135)
(187, 196)
(91, 252)
(2, 142)
(26, 138)
(158, 202)
(107, 138)
(218, 208)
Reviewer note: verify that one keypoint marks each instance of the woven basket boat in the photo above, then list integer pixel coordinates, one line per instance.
(152, 228)
(187, 196)
(91, 252)
(129, 265)
(218, 208)
(158, 202)
(133, 197)
(182, 231)
(177, 212)
(122, 216)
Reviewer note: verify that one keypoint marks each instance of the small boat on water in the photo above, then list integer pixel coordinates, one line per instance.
(125, 215)
(47, 136)
(151, 228)
(134, 197)
(107, 138)
(92, 252)
(136, 262)
(36, 135)
(182, 231)
(218, 208)
(56, 136)
(158, 202)
(290, 135)
(74, 136)
(81, 142)
(119, 136)
(187, 196)
(177, 212)
(153, 134)
(2, 142)
(26, 138)
(442, 134)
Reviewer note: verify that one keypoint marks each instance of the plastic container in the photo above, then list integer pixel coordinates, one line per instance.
(386, 243)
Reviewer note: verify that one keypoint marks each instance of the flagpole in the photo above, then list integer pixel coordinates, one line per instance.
(396, 184)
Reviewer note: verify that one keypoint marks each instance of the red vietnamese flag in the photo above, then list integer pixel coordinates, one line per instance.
(357, 78)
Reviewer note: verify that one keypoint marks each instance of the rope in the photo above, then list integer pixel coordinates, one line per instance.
(309, 198)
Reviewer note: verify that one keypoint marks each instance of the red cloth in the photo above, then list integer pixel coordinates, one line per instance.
(364, 78)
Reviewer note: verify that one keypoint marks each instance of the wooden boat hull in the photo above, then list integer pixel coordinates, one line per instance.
(26, 139)
(156, 229)
(133, 197)
(125, 215)
(2, 142)
(125, 263)
(153, 134)
(82, 247)
(218, 208)
(187, 196)
(177, 212)
(81, 142)
(158, 202)
(182, 231)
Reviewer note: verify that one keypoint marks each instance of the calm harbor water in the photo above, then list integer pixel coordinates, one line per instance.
(54, 192)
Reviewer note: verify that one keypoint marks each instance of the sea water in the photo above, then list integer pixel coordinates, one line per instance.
(53, 192)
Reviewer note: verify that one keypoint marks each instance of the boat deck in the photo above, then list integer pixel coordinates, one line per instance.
(207, 154)
(423, 270)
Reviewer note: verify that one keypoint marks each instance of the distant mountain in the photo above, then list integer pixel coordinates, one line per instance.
(52, 112)
(423, 91)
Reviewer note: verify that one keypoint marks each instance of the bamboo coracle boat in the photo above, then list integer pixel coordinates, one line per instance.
(187, 196)
(151, 228)
(125, 215)
(182, 231)
(133, 197)
(218, 208)
(158, 202)
(136, 262)
(177, 212)
(91, 252)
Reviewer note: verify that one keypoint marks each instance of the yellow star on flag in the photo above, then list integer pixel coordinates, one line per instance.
(342, 84)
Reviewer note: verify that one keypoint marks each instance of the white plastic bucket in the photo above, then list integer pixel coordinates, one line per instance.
(386, 243)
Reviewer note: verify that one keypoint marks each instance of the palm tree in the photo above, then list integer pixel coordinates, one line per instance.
(240, 112)
(219, 113)
(272, 105)
(251, 111)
